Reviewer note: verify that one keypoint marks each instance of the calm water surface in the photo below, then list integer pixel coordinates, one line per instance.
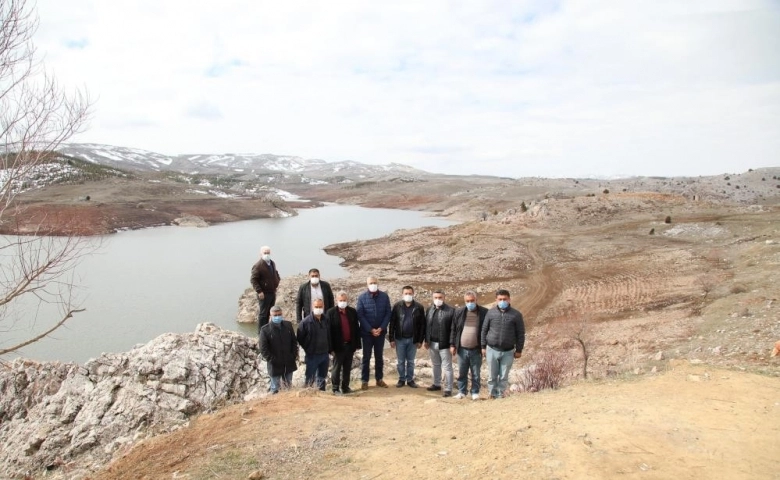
(143, 283)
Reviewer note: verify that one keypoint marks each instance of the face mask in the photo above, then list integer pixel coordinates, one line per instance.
(267, 257)
(438, 302)
(318, 311)
(314, 280)
(276, 319)
(471, 306)
(342, 305)
(372, 287)
(503, 304)
(408, 298)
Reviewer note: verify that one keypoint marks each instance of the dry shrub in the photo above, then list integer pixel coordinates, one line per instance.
(548, 371)
(738, 289)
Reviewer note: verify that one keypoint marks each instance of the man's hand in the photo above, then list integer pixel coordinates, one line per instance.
(392, 344)
(261, 296)
(426, 345)
(452, 350)
(518, 354)
(484, 352)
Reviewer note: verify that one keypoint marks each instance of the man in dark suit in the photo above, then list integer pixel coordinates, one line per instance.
(265, 281)
(345, 340)
(310, 291)
(279, 347)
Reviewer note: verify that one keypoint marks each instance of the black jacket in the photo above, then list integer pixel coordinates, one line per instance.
(445, 325)
(504, 330)
(314, 336)
(279, 348)
(264, 279)
(303, 301)
(458, 322)
(397, 317)
(337, 335)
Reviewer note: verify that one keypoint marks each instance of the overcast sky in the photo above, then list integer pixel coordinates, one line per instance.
(514, 88)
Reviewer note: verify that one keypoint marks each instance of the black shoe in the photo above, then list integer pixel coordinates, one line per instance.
(412, 384)
(400, 384)
(434, 388)
(447, 393)
(346, 390)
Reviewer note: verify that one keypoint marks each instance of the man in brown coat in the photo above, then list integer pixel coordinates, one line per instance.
(265, 281)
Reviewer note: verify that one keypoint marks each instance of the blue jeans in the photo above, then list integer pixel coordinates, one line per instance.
(499, 364)
(317, 369)
(280, 381)
(375, 344)
(469, 359)
(406, 350)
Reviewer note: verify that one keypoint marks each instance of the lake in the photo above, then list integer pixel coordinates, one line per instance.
(143, 283)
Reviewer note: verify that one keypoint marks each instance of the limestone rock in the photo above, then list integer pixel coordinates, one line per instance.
(187, 220)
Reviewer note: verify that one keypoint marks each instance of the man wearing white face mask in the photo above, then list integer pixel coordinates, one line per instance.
(309, 291)
(437, 339)
(373, 309)
(344, 339)
(406, 334)
(265, 281)
(314, 338)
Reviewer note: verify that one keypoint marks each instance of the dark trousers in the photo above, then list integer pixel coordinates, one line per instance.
(317, 369)
(264, 310)
(342, 365)
(375, 344)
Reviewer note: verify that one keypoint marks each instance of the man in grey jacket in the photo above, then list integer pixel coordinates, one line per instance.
(503, 338)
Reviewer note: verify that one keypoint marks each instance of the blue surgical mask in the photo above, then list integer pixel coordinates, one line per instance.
(471, 306)
(276, 319)
(503, 304)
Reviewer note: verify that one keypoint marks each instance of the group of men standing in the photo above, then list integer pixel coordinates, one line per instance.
(329, 326)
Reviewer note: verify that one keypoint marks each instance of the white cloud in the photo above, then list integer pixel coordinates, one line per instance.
(536, 88)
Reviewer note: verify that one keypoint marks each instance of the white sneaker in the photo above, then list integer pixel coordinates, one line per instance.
(459, 396)
(475, 396)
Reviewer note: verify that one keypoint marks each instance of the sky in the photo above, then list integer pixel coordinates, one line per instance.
(516, 88)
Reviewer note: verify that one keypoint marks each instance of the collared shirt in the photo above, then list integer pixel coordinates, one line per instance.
(346, 333)
(316, 294)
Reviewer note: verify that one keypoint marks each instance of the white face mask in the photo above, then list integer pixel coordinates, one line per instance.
(408, 298)
(267, 257)
(342, 305)
(372, 287)
(317, 310)
(314, 280)
(438, 302)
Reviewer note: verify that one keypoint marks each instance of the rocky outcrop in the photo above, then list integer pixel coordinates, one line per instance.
(190, 221)
(285, 298)
(56, 416)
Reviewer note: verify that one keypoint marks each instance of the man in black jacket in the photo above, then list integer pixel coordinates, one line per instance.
(311, 290)
(279, 347)
(437, 339)
(265, 281)
(406, 333)
(465, 341)
(502, 339)
(314, 338)
(344, 340)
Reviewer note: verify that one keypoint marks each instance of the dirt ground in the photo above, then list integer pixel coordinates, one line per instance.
(687, 422)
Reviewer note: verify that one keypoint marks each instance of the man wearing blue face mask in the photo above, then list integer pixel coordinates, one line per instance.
(279, 347)
(502, 339)
(465, 342)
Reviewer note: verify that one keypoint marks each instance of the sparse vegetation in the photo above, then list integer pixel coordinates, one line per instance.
(548, 371)
(668, 219)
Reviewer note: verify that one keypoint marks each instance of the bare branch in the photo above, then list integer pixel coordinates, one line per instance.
(42, 335)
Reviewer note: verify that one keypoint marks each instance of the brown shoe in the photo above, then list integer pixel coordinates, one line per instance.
(364, 386)
(381, 383)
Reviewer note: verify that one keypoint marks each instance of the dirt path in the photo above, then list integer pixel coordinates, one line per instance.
(690, 422)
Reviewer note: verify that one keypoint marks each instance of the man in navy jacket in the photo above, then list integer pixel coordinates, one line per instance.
(373, 310)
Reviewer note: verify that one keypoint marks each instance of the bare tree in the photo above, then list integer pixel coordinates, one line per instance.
(36, 116)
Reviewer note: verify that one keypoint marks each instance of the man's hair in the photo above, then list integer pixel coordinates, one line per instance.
(342, 293)
(318, 300)
(439, 290)
(264, 247)
(313, 270)
(276, 308)
(407, 287)
(503, 291)
(470, 293)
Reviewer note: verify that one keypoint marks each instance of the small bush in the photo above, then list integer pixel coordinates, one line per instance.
(738, 289)
(549, 371)
(606, 191)
(523, 207)
(668, 219)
